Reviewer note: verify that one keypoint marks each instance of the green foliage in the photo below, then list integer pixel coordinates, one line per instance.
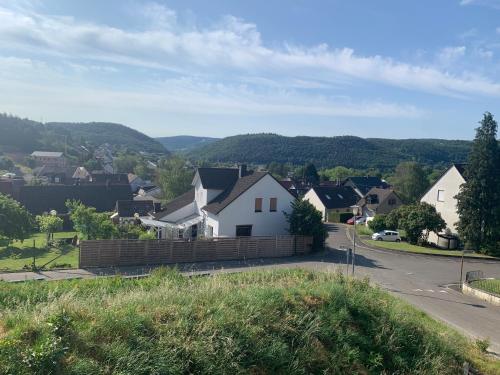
(278, 170)
(49, 224)
(328, 152)
(479, 199)
(339, 173)
(174, 177)
(15, 222)
(311, 175)
(306, 220)
(90, 224)
(6, 164)
(147, 236)
(339, 217)
(417, 220)
(378, 223)
(275, 322)
(125, 163)
(410, 181)
(26, 135)
(183, 143)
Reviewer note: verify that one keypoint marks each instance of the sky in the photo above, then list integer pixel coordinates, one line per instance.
(388, 68)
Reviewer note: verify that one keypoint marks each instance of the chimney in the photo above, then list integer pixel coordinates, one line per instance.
(242, 170)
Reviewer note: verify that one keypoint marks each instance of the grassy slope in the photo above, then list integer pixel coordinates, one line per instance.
(404, 246)
(18, 254)
(288, 321)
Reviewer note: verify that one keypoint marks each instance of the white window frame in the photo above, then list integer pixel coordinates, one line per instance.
(440, 195)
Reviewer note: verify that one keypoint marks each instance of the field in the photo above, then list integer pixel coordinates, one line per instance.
(488, 285)
(18, 254)
(405, 246)
(285, 322)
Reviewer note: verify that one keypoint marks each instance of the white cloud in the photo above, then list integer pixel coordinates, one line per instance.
(230, 48)
(449, 55)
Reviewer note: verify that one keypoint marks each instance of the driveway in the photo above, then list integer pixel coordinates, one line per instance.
(426, 282)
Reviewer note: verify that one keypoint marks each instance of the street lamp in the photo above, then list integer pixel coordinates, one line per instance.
(355, 211)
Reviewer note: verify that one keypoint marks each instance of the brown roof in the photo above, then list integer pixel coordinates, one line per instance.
(225, 198)
(176, 204)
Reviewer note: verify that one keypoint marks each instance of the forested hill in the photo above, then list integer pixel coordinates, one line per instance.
(183, 143)
(26, 135)
(348, 151)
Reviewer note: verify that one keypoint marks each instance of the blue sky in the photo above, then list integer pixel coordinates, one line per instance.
(396, 69)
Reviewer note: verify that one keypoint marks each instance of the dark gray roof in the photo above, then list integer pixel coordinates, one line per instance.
(336, 196)
(129, 208)
(364, 184)
(176, 204)
(239, 186)
(461, 168)
(217, 178)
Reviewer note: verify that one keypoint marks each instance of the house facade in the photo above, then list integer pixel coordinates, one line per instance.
(442, 196)
(379, 202)
(49, 158)
(332, 199)
(225, 202)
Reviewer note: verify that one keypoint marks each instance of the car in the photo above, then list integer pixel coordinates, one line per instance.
(361, 220)
(354, 219)
(387, 235)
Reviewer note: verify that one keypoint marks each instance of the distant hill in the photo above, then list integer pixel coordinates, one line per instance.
(182, 143)
(348, 151)
(26, 135)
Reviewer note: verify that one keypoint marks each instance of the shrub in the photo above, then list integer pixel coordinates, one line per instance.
(306, 220)
(378, 223)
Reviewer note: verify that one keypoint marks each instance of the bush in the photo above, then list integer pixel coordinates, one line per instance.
(378, 223)
(306, 220)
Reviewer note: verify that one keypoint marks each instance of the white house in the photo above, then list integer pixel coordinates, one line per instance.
(442, 196)
(332, 199)
(226, 202)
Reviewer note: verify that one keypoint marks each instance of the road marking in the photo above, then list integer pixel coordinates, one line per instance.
(429, 290)
(409, 273)
(417, 290)
(443, 291)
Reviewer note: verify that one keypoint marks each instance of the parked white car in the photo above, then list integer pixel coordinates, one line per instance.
(387, 235)
(361, 220)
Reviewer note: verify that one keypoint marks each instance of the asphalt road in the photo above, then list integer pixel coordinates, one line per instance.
(427, 283)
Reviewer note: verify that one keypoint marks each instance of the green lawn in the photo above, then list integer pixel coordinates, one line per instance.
(405, 246)
(488, 285)
(18, 254)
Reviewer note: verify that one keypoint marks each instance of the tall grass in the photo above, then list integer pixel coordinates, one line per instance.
(287, 321)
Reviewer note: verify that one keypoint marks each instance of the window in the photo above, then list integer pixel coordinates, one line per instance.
(440, 196)
(243, 230)
(210, 233)
(258, 204)
(273, 204)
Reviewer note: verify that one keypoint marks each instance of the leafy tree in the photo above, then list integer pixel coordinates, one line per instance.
(479, 199)
(174, 178)
(339, 173)
(306, 220)
(6, 163)
(141, 169)
(410, 181)
(418, 219)
(91, 224)
(378, 223)
(92, 165)
(278, 170)
(311, 175)
(15, 222)
(125, 163)
(49, 224)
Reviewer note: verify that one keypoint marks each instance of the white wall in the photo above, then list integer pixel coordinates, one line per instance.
(316, 202)
(203, 196)
(450, 183)
(242, 211)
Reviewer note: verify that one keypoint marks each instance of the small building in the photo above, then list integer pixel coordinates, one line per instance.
(130, 211)
(332, 199)
(226, 202)
(362, 185)
(379, 202)
(49, 158)
(442, 196)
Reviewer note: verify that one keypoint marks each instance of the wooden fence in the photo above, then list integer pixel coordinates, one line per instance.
(114, 253)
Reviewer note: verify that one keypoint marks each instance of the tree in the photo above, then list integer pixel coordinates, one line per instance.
(15, 222)
(125, 163)
(6, 163)
(174, 178)
(49, 224)
(311, 175)
(91, 224)
(306, 220)
(418, 219)
(478, 203)
(378, 223)
(339, 173)
(278, 170)
(410, 181)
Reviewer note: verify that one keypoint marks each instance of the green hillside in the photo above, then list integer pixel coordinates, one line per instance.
(183, 143)
(25, 135)
(274, 322)
(349, 151)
